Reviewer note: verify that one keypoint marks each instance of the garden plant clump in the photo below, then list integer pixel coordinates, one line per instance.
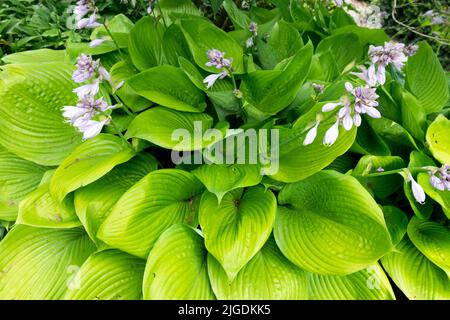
(225, 150)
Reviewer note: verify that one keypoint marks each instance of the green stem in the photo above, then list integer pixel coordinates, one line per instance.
(160, 11)
(124, 106)
(116, 128)
(114, 40)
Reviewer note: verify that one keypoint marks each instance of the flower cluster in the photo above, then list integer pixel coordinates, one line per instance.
(440, 178)
(217, 59)
(435, 17)
(362, 100)
(83, 8)
(85, 114)
(253, 28)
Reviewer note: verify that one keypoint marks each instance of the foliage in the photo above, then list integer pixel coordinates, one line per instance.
(113, 183)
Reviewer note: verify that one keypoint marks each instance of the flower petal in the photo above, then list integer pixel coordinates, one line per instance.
(330, 106)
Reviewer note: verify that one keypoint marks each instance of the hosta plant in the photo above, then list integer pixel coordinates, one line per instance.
(287, 153)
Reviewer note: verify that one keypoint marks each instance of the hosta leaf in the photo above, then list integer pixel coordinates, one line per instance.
(39, 209)
(413, 116)
(219, 179)
(201, 36)
(170, 87)
(94, 202)
(170, 129)
(122, 71)
(415, 275)
(239, 18)
(177, 7)
(176, 267)
(329, 224)
(38, 263)
(382, 186)
(175, 45)
(18, 177)
(35, 56)
(31, 121)
(437, 139)
(396, 221)
(368, 284)
(297, 161)
(365, 35)
(89, 162)
(345, 49)
(426, 79)
(108, 275)
(422, 210)
(270, 91)
(268, 276)
(432, 240)
(145, 44)
(441, 197)
(160, 199)
(236, 229)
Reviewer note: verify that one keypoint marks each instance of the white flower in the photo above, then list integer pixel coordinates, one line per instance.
(104, 74)
(382, 56)
(89, 23)
(370, 78)
(86, 68)
(118, 86)
(91, 128)
(417, 190)
(73, 112)
(332, 134)
(253, 28)
(88, 89)
(312, 134)
(212, 78)
(442, 180)
(96, 42)
(249, 42)
(217, 59)
(338, 3)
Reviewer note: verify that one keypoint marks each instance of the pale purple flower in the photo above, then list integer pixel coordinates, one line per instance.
(212, 78)
(338, 3)
(311, 134)
(249, 42)
(442, 180)
(90, 89)
(104, 74)
(411, 49)
(380, 169)
(82, 8)
(217, 59)
(382, 56)
(435, 17)
(332, 134)
(89, 23)
(91, 128)
(417, 190)
(96, 42)
(365, 100)
(86, 68)
(253, 28)
(370, 78)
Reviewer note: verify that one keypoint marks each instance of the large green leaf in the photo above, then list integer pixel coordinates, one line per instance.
(35, 56)
(345, 49)
(160, 199)
(38, 263)
(297, 161)
(18, 177)
(202, 35)
(270, 91)
(268, 276)
(437, 139)
(108, 275)
(31, 121)
(89, 162)
(426, 79)
(329, 224)
(170, 87)
(39, 209)
(413, 116)
(237, 228)
(365, 35)
(94, 202)
(396, 221)
(176, 267)
(219, 179)
(239, 18)
(145, 44)
(170, 129)
(416, 276)
(368, 284)
(432, 240)
(175, 8)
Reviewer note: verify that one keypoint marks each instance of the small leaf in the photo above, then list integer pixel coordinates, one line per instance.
(108, 275)
(89, 162)
(237, 228)
(170, 87)
(170, 129)
(176, 267)
(329, 224)
(159, 200)
(268, 276)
